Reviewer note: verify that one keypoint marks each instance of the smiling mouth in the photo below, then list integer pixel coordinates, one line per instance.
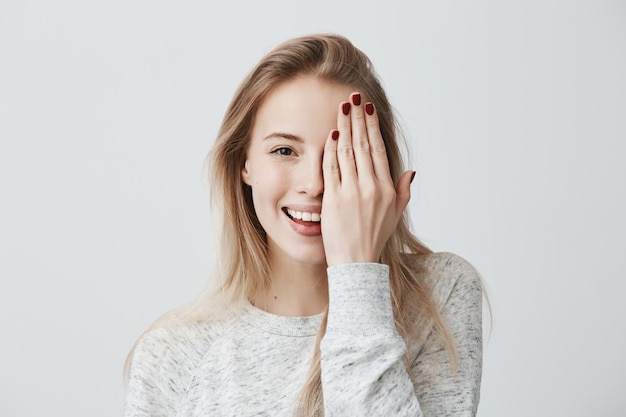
(303, 217)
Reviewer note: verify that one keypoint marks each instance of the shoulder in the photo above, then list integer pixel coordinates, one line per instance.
(163, 364)
(175, 345)
(449, 275)
(446, 261)
(456, 290)
(162, 344)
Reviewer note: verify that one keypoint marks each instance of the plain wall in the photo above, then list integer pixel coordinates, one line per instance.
(515, 111)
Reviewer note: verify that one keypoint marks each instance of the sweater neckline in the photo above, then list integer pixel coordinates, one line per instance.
(280, 325)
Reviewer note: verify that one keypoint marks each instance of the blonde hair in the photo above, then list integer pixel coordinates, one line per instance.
(241, 269)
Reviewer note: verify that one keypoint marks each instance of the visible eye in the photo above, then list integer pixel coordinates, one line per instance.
(283, 151)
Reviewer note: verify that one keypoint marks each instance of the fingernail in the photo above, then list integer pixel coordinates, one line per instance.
(369, 108)
(345, 108)
(335, 134)
(412, 177)
(356, 99)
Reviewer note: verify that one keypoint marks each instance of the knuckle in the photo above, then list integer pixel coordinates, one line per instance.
(369, 194)
(331, 166)
(379, 148)
(383, 194)
(389, 196)
(351, 194)
(387, 190)
(363, 143)
(346, 152)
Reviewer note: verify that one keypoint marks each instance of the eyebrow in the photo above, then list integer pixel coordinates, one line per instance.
(284, 136)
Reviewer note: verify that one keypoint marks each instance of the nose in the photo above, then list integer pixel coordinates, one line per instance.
(311, 180)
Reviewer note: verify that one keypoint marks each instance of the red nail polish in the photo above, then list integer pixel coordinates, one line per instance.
(345, 108)
(335, 134)
(356, 99)
(369, 108)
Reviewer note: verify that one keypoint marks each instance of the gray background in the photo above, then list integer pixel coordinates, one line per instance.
(516, 113)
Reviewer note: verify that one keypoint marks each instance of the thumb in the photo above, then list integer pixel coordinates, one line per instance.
(403, 191)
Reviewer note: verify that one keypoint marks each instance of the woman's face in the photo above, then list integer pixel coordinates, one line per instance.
(284, 165)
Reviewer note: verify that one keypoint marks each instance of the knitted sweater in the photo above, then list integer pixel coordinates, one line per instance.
(254, 363)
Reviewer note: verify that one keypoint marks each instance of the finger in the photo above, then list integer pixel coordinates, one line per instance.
(330, 166)
(403, 192)
(360, 139)
(378, 152)
(345, 152)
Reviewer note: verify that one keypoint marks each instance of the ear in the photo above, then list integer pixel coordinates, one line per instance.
(245, 174)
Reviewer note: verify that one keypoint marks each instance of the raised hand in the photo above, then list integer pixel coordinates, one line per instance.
(361, 207)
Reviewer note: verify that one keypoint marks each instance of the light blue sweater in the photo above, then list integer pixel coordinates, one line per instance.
(254, 363)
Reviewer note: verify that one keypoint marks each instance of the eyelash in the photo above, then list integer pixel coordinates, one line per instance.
(278, 152)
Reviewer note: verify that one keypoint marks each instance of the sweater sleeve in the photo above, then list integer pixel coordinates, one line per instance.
(363, 372)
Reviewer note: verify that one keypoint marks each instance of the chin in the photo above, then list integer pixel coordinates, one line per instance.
(310, 259)
(310, 253)
(306, 256)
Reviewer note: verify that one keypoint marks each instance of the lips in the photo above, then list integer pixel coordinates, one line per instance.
(307, 216)
(300, 225)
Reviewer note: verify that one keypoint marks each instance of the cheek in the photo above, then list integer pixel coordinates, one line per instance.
(269, 175)
(270, 181)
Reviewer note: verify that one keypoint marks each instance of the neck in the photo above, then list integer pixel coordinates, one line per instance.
(295, 290)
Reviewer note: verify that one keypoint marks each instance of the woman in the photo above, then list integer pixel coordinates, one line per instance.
(323, 302)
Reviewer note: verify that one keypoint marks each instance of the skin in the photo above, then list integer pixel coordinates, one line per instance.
(294, 162)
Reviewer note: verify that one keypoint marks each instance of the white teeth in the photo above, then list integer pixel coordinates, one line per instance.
(304, 215)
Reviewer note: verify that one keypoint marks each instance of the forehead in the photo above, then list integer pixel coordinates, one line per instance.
(307, 86)
(300, 106)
